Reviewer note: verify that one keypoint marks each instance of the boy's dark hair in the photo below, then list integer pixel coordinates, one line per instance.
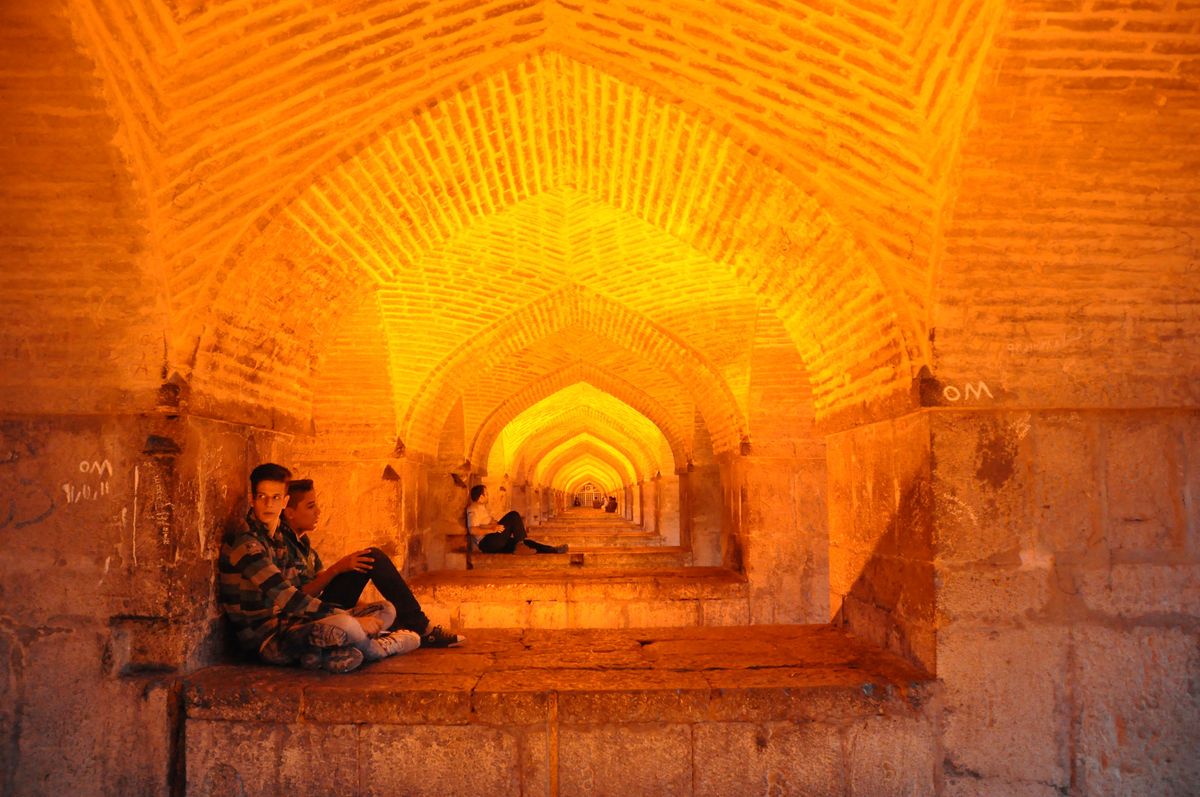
(268, 472)
(297, 489)
(477, 491)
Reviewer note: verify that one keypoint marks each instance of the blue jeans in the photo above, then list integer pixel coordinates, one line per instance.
(287, 646)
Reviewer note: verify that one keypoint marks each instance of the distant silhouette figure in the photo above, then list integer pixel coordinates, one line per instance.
(611, 506)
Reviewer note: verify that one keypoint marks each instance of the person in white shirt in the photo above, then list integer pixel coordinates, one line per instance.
(503, 535)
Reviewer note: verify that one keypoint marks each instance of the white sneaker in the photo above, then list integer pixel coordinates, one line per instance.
(395, 643)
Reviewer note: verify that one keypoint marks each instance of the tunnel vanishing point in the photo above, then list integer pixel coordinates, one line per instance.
(878, 319)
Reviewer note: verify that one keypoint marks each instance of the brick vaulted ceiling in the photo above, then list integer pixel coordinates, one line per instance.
(503, 182)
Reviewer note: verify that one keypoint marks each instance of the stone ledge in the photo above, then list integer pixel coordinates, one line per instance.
(505, 677)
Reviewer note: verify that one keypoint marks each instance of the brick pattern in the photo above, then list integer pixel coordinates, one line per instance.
(80, 321)
(575, 412)
(566, 426)
(238, 134)
(662, 424)
(1064, 280)
(352, 394)
(572, 458)
(230, 116)
(564, 312)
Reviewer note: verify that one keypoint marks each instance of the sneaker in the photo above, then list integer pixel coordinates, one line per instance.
(324, 635)
(440, 638)
(560, 548)
(336, 660)
(395, 643)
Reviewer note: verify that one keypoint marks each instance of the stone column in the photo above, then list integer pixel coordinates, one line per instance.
(776, 531)
(1068, 564)
(881, 554)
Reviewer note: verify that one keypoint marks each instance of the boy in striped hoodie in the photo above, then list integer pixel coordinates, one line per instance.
(276, 620)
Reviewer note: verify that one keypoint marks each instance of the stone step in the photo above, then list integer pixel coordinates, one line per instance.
(607, 557)
(712, 711)
(456, 542)
(584, 597)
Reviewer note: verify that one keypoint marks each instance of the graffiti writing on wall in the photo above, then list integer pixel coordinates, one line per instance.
(89, 489)
(30, 503)
(967, 392)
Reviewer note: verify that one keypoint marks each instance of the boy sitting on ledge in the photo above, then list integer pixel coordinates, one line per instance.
(343, 582)
(275, 619)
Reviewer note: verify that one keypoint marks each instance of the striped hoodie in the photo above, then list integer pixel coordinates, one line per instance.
(257, 586)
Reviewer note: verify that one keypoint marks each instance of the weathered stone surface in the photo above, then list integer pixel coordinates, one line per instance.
(436, 760)
(996, 787)
(1140, 590)
(512, 698)
(1064, 495)
(980, 483)
(1138, 720)
(591, 686)
(1005, 702)
(646, 614)
(733, 759)
(378, 698)
(316, 759)
(597, 697)
(725, 612)
(548, 614)
(1143, 479)
(893, 756)
(992, 594)
(235, 758)
(620, 760)
(742, 221)
(251, 693)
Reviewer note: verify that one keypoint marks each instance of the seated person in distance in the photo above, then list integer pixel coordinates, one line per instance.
(500, 536)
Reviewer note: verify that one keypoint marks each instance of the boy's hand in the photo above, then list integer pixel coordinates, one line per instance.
(370, 625)
(359, 561)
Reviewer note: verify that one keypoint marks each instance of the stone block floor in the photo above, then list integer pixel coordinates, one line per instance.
(689, 711)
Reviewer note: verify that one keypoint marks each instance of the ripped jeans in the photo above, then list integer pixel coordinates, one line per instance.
(287, 646)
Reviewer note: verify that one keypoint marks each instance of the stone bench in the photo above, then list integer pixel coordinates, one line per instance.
(699, 711)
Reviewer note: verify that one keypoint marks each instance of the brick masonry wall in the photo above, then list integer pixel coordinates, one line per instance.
(1065, 280)
(81, 324)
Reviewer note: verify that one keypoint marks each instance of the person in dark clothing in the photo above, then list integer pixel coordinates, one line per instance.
(343, 582)
(276, 620)
(500, 536)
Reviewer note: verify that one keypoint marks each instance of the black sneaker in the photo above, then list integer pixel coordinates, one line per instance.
(560, 548)
(439, 638)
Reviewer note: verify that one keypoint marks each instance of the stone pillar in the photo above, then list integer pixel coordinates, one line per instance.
(110, 525)
(673, 501)
(1068, 564)
(650, 505)
(880, 533)
(704, 515)
(776, 531)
